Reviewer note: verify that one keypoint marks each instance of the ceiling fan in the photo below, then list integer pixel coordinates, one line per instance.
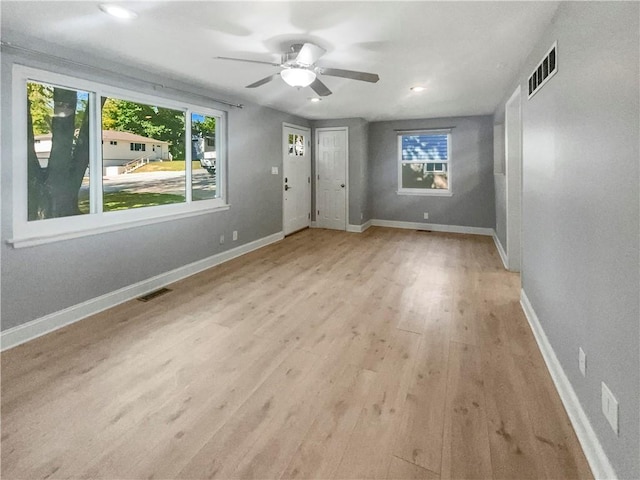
(299, 69)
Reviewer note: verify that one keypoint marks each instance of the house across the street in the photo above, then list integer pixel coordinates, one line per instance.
(118, 150)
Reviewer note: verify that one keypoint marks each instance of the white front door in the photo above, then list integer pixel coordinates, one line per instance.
(296, 176)
(331, 178)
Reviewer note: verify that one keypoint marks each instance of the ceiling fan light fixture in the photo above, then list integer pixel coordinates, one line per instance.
(315, 99)
(298, 77)
(418, 88)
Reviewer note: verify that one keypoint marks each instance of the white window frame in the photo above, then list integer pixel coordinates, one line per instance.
(27, 233)
(441, 192)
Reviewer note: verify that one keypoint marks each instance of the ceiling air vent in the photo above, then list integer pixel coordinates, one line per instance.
(546, 69)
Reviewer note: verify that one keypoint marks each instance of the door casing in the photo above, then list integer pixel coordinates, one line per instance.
(513, 173)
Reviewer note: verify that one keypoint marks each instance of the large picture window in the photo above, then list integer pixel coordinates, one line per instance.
(424, 163)
(91, 158)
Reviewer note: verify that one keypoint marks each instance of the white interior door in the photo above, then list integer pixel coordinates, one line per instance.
(513, 173)
(296, 176)
(331, 178)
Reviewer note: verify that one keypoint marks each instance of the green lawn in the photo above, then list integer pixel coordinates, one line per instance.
(173, 166)
(125, 200)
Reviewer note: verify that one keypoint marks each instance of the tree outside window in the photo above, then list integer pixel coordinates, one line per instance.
(58, 126)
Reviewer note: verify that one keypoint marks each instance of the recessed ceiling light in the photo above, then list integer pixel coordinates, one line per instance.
(417, 89)
(315, 99)
(118, 11)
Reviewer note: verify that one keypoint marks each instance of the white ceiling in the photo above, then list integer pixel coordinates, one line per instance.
(465, 53)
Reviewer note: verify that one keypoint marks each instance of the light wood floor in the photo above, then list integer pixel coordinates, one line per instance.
(388, 354)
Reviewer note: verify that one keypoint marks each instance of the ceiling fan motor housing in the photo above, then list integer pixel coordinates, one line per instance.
(289, 58)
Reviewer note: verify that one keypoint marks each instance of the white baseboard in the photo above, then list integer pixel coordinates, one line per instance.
(598, 461)
(501, 252)
(15, 336)
(358, 228)
(434, 227)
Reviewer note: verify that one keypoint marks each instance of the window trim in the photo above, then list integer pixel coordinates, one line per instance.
(27, 233)
(424, 191)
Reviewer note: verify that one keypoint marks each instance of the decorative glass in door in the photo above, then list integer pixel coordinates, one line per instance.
(296, 145)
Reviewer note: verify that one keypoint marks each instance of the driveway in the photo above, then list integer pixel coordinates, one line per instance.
(156, 182)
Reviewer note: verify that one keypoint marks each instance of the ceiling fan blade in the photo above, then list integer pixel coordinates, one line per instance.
(263, 81)
(337, 72)
(309, 54)
(247, 61)
(320, 88)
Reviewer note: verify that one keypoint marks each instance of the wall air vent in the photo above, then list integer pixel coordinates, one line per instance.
(546, 69)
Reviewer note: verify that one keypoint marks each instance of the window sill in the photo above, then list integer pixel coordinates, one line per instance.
(30, 240)
(423, 193)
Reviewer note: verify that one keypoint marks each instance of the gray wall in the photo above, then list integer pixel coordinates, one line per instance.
(40, 280)
(581, 210)
(358, 165)
(472, 203)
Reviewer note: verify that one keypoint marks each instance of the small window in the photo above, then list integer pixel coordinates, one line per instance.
(138, 147)
(423, 163)
(296, 145)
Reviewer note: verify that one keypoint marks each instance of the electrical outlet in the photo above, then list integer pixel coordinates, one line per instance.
(582, 361)
(235, 235)
(221, 239)
(274, 170)
(426, 215)
(610, 407)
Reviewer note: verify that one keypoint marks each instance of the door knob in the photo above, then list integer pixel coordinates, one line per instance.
(342, 185)
(287, 187)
